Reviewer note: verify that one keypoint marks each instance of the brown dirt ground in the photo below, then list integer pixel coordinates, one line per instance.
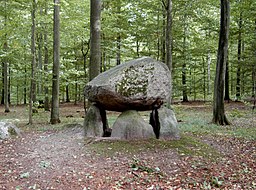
(63, 160)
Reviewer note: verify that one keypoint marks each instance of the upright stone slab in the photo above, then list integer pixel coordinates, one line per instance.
(130, 125)
(93, 126)
(134, 85)
(168, 124)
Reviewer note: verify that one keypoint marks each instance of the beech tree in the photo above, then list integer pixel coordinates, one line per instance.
(128, 29)
(219, 116)
(33, 61)
(95, 55)
(56, 64)
(5, 65)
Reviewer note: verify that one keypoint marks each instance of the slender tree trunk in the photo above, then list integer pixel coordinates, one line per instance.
(169, 35)
(254, 69)
(95, 27)
(239, 50)
(25, 87)
(204, 70)
(33, 62)
(56, 64)
(164, 32)
(76, 93)
(158, 36)
(85, 53)
(5, 68)
(40, 57)
(46, 62)
(219, 116)
(169, 43)
(226, 96)
(2, 98)
(67, 93)
(137, 47)
(209, 72)
(118, 54)
(184, 65)
(6, 84)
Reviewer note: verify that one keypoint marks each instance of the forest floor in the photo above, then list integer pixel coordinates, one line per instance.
(58, 157)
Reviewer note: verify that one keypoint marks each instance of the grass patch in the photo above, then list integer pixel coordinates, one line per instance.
(186, 145)
(198, 122)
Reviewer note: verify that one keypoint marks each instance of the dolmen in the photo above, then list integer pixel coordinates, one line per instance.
(142, 84)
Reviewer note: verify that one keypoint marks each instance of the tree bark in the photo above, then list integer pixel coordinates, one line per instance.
(95, 27)
(239, 50)
(226, 96)
(209, 72)
(254, 70)
(67, 93)
(169, 42)
(219, 116)
(56, 64)
(33, 62)
(5, 68)
(46, 62)
(118, 53)
(184, 67)
(6, 84)
(163, 50)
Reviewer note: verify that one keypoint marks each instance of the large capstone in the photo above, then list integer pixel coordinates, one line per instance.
(134, 85)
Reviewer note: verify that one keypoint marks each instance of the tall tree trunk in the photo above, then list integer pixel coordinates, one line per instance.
(2, 98)
(5, 68)
(40, 57)
(219, 116)
(209, 72)
(164, 32)
(169, 35)
(33, 62)
(204, 70)
(25, 87)
(85, 53)
(239, 50)
(46, 62)
(226, 96)
(56, 64)
(137, 47)
(169, 42)
(118, 53)
(6, 83)
(254, 68)
(184, 67)
(67, 93)
(95, 27)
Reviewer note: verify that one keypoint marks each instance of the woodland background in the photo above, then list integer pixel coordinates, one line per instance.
(129, 29)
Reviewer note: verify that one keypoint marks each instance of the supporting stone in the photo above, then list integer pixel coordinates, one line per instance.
(130, 125)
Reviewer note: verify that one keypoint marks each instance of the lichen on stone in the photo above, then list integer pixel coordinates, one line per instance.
(134, 80)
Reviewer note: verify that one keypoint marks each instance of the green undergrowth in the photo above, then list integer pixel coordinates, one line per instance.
(198, 122)
(186, 145)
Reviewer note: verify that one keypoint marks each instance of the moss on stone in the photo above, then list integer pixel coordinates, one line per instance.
(134, 80)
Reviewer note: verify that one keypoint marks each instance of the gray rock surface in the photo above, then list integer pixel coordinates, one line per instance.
(93, 126)
(169, 125)
(134, 85)
(8, 129)
(130, 125)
